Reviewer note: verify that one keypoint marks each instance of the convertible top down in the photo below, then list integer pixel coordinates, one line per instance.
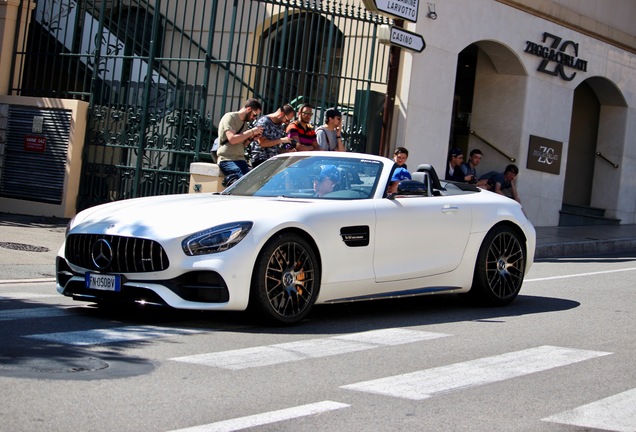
(278, 242)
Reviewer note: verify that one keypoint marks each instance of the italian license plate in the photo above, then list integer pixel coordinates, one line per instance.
(103, 282)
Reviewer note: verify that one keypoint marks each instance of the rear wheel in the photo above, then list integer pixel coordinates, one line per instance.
(286, 279)
(500, 268)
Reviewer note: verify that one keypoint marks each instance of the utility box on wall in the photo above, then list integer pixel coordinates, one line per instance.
(205, 177)
(41, 144)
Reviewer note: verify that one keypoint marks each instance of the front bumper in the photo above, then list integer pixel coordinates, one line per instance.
(195, 289)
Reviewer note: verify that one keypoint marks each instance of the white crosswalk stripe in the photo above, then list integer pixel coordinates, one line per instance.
(312, 348)
(615, 413)
(29, 313)
(267, 418)
(428, 383)
(111, 335)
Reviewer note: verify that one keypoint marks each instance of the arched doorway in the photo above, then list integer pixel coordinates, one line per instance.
(490, 91)
(597, 130)
(302, 59)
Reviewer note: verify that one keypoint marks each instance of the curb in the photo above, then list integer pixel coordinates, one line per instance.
(560, 250)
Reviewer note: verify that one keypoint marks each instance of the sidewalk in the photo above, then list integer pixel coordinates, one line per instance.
(555, 242)
(29, 244)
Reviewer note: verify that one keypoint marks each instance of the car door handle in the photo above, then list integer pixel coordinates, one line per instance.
(450, 209)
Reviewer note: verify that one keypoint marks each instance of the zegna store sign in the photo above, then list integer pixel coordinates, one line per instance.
(557, 55)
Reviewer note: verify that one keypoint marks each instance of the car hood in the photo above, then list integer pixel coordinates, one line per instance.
(178, 215)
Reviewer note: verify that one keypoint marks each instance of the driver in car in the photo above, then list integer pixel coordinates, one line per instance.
(326, 181)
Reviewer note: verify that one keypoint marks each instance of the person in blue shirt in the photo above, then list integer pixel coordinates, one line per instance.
(399, 174)
(503, 183)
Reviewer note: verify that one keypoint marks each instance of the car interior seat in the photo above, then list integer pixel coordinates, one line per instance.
(436, 186)
(423, 177)
(344, 182)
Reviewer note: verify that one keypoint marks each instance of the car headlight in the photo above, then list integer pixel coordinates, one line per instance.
(216, 239)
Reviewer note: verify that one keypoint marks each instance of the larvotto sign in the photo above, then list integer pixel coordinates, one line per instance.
(404, 9)
(557, 55)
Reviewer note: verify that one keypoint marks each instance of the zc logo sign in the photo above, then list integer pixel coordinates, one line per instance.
(562, 53)
(546, 155)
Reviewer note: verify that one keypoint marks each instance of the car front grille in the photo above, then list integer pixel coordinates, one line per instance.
(115, 254)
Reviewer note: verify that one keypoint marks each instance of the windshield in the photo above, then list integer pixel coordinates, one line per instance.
(311, 177)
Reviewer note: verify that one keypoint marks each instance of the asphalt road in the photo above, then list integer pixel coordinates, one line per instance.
(560, 358)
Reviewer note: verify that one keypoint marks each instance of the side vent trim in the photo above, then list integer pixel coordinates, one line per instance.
(355, 236)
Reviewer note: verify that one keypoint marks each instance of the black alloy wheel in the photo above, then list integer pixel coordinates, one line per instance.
(286, 279)
(500, 268)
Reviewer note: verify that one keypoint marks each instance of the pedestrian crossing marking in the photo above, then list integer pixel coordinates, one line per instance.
(312, 348)
(430, 382)
(111, 335)
(267, 418)
(615, 413)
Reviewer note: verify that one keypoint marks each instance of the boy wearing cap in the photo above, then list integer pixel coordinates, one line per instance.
(328, 135)
(398, 175)
(454, 168)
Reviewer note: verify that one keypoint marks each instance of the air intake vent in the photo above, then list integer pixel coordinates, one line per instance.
(355, 236)
(115, 254)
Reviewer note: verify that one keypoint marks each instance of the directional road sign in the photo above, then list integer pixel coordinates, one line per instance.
(402, 38)
(402, 9)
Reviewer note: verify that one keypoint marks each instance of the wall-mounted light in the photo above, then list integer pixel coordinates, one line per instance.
(431, 11)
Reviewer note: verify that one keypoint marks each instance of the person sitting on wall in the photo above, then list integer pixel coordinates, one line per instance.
(454, 167)
(470, 169)
(233, 137)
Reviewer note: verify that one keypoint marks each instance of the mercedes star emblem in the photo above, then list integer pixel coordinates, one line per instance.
(102, 254)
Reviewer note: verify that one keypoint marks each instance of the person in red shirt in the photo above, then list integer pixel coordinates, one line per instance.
(302, 131)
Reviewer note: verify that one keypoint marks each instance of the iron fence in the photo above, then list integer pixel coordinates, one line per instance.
(159, 75)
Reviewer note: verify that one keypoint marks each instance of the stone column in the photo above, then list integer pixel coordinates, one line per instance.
(9, 15)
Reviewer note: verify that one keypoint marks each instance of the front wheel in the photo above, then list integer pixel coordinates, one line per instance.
(286, 279)
(500, 268)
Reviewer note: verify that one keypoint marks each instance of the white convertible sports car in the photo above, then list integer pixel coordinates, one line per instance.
(300, 229)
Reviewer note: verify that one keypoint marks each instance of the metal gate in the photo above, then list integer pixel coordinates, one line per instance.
(159, 75)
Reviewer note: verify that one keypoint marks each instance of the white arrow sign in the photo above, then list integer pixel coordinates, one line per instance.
(404, 9)
(400, 37)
